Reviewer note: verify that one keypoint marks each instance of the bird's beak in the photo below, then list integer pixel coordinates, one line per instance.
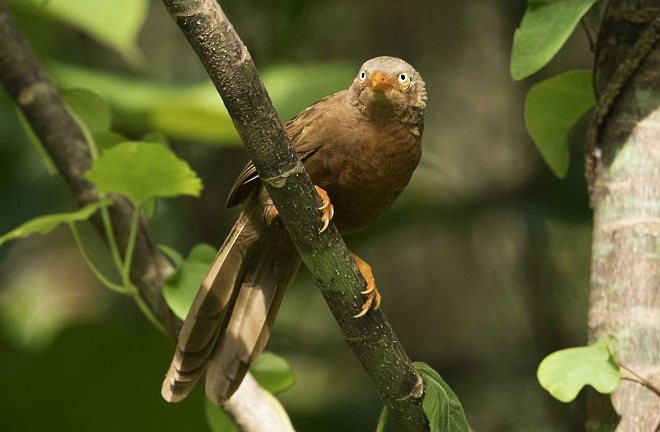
(380, 82)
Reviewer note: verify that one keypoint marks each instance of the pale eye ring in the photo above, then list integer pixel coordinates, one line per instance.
(404, 78)
(362, 75)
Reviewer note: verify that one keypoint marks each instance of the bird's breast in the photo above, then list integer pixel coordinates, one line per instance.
(365, 172)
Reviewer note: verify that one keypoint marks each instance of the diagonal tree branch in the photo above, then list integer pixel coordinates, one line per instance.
(27, 83)
(231, 69)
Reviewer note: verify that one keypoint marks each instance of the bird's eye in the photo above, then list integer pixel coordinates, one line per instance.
(362, 75)
(403, 78)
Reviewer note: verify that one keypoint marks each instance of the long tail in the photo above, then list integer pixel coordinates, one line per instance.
(231, 317)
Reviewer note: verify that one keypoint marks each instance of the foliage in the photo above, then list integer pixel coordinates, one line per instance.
(544, 29)
(45, 224)
(114, 23)
(564, 373)
(142, 171)
(441, 406)
(195, 111)
(552, 108)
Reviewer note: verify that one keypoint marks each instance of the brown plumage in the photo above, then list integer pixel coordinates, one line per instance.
(360, 145)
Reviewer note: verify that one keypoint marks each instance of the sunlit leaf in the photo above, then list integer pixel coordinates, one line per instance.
(441, 406)
(45, 224)
(564, 373)
(142, 171)
(115, 23)
(180, 288)
(544, 29)
(272, 372)
(552, 108)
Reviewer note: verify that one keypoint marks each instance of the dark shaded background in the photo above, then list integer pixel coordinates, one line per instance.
(482, 263)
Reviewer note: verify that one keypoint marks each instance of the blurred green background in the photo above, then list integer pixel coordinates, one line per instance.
(483, 261)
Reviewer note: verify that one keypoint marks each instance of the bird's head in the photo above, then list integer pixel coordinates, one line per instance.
(388, 87)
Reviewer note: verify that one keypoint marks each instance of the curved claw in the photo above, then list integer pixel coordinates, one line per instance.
(326, 223)
(373, 299)
(327, 209)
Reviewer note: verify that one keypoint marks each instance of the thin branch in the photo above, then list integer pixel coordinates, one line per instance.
(27, 83)
(231, 69)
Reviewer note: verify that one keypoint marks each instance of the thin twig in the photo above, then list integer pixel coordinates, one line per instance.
(639, 379)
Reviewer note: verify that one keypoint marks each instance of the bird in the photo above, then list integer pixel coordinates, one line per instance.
(360, 147)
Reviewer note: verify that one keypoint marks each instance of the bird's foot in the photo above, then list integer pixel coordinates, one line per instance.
(327, 209)
(373, 296)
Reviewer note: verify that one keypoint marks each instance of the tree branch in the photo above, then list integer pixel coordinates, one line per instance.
(231, 69)
(27, 83)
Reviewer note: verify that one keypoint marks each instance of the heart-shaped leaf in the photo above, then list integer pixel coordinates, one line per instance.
(544, 29)
(564, 373)
(45, 224)
(441, 406)
(142, 171)
(552, 108)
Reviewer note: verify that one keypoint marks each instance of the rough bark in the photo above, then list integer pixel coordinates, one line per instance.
(230, 67)
(27, 83)
(625, 275)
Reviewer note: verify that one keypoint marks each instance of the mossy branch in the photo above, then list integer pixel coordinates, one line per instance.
(231, 69)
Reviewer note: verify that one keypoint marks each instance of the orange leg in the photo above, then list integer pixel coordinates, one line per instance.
(373, 296)
(327, 209)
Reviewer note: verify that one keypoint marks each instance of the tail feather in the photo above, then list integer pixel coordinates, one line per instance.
(230, 319)
(249, 326)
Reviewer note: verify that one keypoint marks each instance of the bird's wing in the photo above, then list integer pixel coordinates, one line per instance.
(303, 136)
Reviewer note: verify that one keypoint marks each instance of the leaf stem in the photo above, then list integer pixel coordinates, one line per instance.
(639, 379)
(110, 236)
(130, 248)
(148, 313)
(382, 420)
(90, 262)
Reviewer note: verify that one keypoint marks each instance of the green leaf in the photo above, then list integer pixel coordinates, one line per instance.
(142, 171)
(441, 406)
(180, 288)
(552, 108)
(544, 29)
(217, 419)
(115, 23)
(90, 108)
(564, 373)
(272, 372)
(45, 224)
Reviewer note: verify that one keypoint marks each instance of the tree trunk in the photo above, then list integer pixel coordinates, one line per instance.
(625, 273)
